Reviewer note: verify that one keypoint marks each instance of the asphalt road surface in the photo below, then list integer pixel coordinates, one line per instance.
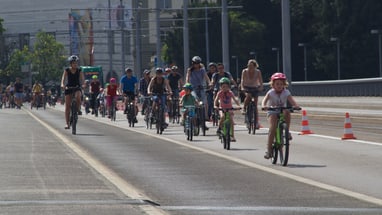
(109, 168)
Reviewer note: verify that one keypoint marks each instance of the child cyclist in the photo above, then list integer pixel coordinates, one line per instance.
(111, 94)
(277, 96)
(187, 100)
(224, 97)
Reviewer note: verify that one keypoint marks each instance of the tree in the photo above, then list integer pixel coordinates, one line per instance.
(13, 70)
(47, 58)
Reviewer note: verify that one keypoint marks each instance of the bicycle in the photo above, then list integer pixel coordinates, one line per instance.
(174, 111)
(189, 121)
(280, 146)
(147, 104)
(200, 112)
(158, 114)
(251, 114)
(113, 111)
(226, 132)
(73, 117)
(130, 114)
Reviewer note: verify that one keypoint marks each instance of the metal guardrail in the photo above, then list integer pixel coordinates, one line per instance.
(350, 87)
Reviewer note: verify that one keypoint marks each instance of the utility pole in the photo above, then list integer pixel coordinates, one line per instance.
(225, 41)
(158, 45)
(109, 34)
(286, 40)
(138, 60)
(207, 39)
(122, 8)
(186, 54)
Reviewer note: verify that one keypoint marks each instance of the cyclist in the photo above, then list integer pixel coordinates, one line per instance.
(175, 81)
(95, 86)
(128, 85)
(210, 94)
(143, 85)
(111, 95)
(219, 75)
(224, 98)
(277, 96)
(73, 77)
(157, 86)
(19, 93)
(187, 100)
(251, 84)
(198, 78)
(36, 92)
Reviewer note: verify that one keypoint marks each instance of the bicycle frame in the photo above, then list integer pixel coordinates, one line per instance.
(189, 121)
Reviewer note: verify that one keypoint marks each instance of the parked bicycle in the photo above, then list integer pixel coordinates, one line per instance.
(280, 147)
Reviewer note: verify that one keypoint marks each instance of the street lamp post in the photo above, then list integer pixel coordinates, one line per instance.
(305, 61)
(237, 66)
(379, 32)
(277, 50)
(337, 40)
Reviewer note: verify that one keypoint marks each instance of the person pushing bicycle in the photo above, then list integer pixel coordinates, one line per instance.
(277, 96)
(224, 97)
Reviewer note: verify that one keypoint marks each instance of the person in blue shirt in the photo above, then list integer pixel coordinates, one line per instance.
(128, 86)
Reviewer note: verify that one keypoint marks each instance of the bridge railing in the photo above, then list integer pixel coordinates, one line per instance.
(350, 87)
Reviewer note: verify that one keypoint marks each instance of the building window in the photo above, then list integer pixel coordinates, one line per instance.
(164, 4)
(24, 40)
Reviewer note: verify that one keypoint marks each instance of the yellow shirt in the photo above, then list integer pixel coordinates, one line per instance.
(37, 88)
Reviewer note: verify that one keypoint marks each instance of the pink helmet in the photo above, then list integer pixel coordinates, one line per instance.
(278, 76)
(112, 80)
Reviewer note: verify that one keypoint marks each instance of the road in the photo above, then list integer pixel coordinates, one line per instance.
(109, 167)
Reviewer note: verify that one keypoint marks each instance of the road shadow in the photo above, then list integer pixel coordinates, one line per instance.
(237, 149)
(305, 166)
(95, 135)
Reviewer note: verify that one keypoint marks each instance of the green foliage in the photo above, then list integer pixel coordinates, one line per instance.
(47, 58)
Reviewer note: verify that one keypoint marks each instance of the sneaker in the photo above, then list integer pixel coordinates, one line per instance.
(267, 155)
(233, 139)
(244, 111)
(135, 120)
(79, 112)
(218, 131)
(290, 136)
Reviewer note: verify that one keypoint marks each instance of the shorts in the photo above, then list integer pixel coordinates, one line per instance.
(19, 95)
(130, 95)
(253, 91)
(70, 91)
(109, 100)
(203, 96)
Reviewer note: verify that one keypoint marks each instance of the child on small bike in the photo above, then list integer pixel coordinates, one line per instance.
(277, 96)
(187, 100)
(224, 98)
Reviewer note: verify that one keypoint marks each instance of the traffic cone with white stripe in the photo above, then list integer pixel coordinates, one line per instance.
(305, 124)
(348, 131)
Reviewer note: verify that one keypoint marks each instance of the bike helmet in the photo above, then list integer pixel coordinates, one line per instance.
(211, 64)
(159, 70)
(73, 58)
(278, 76)
(187, 86)
(196, 59)
(94, 77)
(128, 69)
(146, 71)
(224, 80)
(168, 69)
(174, 67)
(113, 80)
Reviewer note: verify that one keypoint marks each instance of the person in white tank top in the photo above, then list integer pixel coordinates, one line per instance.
(277, 96)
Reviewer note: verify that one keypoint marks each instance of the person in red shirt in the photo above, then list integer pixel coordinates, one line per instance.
(111, 93)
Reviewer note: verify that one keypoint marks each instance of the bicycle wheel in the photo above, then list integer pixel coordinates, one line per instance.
(147, 117)
(228, 135)
(74, 117)
(203, 120)
(285, 142)
(249, 118)
(254, 119)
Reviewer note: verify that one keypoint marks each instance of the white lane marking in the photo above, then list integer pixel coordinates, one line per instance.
(266, 208)
(125, 187)
(339, 190)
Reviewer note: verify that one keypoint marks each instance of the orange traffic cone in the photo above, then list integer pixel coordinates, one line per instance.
(305, 124)
(348, 131)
